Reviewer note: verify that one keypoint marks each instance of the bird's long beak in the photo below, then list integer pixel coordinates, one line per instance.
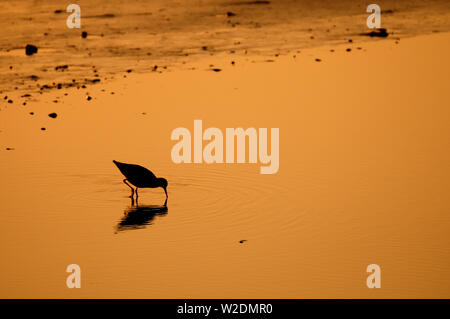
(165, 190)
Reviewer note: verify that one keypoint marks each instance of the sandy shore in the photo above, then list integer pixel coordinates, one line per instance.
(138, 35)
(363, 178)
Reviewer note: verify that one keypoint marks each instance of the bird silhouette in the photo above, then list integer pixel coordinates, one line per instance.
(140, 177)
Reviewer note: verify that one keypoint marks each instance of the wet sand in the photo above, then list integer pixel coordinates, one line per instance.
(173, 35)
(363, 179)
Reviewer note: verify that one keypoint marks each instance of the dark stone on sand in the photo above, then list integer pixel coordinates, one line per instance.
(61, 67)
(30, 49)
(350, 40)
(89, 98)
(53, 115)
(10, 101)
(31, 113)
(230, 14)
(95, 80)
(318, 60)
(155, 67)
(348, 49)
(84, 34)
(83, 86)
(34, 77)
(381, 33)
(10, 149)
(59, 86)
(204, 48)
(217, 70)
(24, 103)
(251, 2)
(242, 241)
(233, 63)
(129, 70)
(42, 128)
(58, 11)
(10, 67)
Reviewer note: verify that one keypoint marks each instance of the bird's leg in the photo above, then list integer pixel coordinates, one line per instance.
(136, 193)
(132, 189)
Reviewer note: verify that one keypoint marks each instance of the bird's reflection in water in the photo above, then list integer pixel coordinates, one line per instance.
(139, 216)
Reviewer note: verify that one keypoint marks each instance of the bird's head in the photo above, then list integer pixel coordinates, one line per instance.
(162, 182)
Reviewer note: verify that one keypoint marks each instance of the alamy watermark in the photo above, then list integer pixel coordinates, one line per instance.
(213, 152)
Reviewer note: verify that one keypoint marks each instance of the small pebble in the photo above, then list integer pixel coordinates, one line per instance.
(30, 49)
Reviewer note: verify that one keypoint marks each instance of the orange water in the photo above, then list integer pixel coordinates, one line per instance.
(363, 178)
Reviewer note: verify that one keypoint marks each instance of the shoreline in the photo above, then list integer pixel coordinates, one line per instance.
(173, 38)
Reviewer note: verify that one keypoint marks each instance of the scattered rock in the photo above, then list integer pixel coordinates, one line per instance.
(381, 33)
(10, 101)
(61, 67)
(129, 70)
(84, 34)
(233, 63)
(204, 48)
(58, 11)
(89, 98)
(252, 2)
(242, 241)
(30, 49)
(318, 60)
(53, 115)
(230, 14)
(42, 128)
(34, 77)
(217, 70)
(350, 40)
(348, 50)
(10, 149)
(31, 113)
(155, 67)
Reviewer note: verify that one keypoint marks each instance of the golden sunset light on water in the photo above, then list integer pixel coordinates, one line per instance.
(286, 150)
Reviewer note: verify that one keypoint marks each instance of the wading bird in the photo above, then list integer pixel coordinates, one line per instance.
(140, 177)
